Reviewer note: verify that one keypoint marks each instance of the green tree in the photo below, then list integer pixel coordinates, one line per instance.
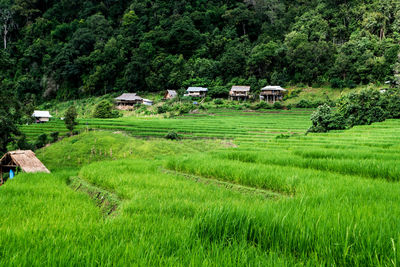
(70, 118)
(9, 119)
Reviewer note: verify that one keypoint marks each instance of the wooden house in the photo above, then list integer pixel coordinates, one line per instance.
(239, 92)
(128, 100)
(170, 94)
(25, 160)
(196, 92)
(41, 116)
(272, 93)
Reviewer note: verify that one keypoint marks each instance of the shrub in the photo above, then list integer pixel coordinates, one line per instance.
(41, 141)
(54, 136)
(163, 109)
(105, 110)
(337, 83)
(218, 101)
(262, 105)
(172, 135)
(23, 144)
(303, 103)
(70, 117)
(324, 119)
(278, 105)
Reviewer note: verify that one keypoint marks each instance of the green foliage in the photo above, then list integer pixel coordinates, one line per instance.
(54, 136)
(64, 51)
(70, 118)
(172, 135)
(9, 118)
(41, 141)
(104, 110)
(324, 119)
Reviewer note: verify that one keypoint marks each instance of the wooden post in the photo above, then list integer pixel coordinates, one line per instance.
(1, 175)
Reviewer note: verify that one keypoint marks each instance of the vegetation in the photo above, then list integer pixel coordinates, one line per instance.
(70, 118)
(62, 50)
(361, 108)
(104, 110)
(320, 199)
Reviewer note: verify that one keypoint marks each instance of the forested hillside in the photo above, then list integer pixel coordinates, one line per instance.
(69, 49)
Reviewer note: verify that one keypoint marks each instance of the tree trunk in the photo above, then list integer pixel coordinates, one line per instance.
(5, 36)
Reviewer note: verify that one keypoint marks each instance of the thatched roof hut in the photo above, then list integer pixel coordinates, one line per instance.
(26, 160)
(128, 99)
(170, 94)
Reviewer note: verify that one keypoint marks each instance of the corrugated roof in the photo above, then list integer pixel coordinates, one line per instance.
(197, 89)
(273, 88)
(240, 88)
(41, 114)
(26, 160)
(129, 97)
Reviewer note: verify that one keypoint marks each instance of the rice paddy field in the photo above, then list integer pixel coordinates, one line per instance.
(241, 189)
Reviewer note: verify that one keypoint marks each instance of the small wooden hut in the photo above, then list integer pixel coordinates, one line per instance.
(25, 160)
(170, 94)
(41, 116)
(239, 92)
(196, 91)
(128, 100)
(272, 93)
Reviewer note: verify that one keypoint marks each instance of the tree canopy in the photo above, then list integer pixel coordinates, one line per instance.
(70, 49)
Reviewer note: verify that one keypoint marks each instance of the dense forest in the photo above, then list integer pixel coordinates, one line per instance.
(67, 49)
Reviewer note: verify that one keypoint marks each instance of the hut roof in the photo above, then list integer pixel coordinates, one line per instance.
(26, 160)
(273, 88)
(172, 93)
(237, 88)
(41, 114)
(129, 97)
(197, 89)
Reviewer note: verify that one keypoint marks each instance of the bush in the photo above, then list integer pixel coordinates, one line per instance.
(23, 144)
(163, 109)
(337, 83)
(278, 105)
(70, 117)
(41, 141)
(54, 136)
(324, 119)
(105, 110)
(262, 105)
(303, 103)
(172, 135)
(218, 101)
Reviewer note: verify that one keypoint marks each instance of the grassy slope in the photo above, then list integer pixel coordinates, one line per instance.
(337, 204)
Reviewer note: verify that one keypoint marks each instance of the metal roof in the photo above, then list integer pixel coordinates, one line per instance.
(273, 88)
(41, 114)
(129, 97)
(197, 89)
(240, 88)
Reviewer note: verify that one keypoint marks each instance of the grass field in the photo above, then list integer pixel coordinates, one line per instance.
(241, 189)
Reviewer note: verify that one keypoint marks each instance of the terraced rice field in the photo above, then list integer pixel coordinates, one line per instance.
(222, 124)
(299, 200)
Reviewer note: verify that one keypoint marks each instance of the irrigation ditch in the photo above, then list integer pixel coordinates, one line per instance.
(227, 185)
(106, 201)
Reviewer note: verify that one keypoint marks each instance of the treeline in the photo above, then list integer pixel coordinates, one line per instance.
(69, 49)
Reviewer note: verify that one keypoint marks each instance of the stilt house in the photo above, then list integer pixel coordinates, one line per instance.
(272, 93)
(41, 116)
(196, 91)
(239, 92)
